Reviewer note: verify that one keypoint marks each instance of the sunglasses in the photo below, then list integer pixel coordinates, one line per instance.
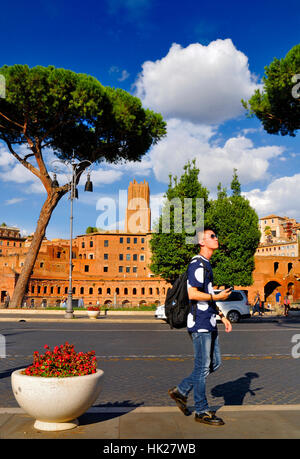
(213, 236)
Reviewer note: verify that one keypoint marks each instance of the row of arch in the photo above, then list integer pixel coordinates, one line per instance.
(98, 291)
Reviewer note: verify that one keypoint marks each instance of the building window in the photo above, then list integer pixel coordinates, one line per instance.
(150, 291)
(121, 256)
(82, 245)
(105, 269)
(91, 256)
(128, 240)
(106, 243)
(117, 290)
(157, 291)
(51, 290)
(142, 240)
(39, 289)
(58, 290)
(91, 291)
(134, 291)
(108, 291)
(134, 257)
(143, 291)
(134, 269)
(125, 291)
(66, 290)
(120, 269)
(74, 290)
(135, 240)
(276, 265)
(127, 269)
(99, 291)
(142, 257)
(41, 265)
(81, 290)
(91, 243)
(58, 255)
(106, 256)
(128, 256)
(121, 240)
(32, 289)
(86, 268)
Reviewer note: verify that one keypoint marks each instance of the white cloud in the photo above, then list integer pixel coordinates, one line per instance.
(201, 84)
(280, 197)
(103, 176)
(124, 75)
(186, 141)
(10, 202)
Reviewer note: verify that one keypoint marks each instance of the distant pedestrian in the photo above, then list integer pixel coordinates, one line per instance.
(256, 307)
(6, 300)
(286, 302)
(81, 303)
(63, 303)
(278, 298)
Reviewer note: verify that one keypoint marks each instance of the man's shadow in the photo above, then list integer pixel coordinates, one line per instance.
(234, 392)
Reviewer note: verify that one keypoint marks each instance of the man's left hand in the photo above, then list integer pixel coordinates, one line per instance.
(227, 323)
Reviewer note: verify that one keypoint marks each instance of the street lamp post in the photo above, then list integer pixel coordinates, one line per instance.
(73, 193)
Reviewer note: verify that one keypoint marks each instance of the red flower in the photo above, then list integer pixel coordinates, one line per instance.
(63, 361)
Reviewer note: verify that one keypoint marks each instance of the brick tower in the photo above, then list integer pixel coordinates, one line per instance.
(138, 213)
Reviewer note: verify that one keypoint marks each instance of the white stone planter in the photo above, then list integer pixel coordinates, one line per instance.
(93, 314)
(56, 403)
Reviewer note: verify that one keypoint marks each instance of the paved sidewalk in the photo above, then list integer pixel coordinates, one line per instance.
(40, 315)
(157, 423)
(245, 422)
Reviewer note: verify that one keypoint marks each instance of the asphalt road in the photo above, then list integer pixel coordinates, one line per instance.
(142, 360)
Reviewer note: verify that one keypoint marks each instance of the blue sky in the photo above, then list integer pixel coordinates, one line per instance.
(192, 61)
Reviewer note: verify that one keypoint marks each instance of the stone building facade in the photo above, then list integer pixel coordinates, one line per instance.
(109, 268)
(112, 268)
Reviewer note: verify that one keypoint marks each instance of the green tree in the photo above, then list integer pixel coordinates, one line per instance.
(236, 224)
(73, 114)
(277, 106)
(170, 251)
(91, 229)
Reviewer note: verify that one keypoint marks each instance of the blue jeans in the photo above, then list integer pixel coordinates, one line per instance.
(207, 358)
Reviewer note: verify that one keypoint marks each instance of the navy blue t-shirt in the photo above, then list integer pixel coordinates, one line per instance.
(200, 275)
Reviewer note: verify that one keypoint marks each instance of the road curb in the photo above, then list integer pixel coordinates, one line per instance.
(169, 409)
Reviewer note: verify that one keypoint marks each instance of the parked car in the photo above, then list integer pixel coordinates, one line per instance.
(235, 308)
(160, 312)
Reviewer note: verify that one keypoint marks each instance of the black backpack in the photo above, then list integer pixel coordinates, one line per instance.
(177, 305)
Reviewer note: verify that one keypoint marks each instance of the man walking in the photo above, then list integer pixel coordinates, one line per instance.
(202, 327)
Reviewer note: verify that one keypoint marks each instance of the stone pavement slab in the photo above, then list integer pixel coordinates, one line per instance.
(163, 423)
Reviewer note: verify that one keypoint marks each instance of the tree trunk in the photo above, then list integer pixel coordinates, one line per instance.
(45, 215)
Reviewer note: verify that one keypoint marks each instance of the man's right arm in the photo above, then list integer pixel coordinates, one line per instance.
(197, 295)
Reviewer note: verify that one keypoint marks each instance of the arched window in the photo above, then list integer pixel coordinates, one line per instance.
(91, 291)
